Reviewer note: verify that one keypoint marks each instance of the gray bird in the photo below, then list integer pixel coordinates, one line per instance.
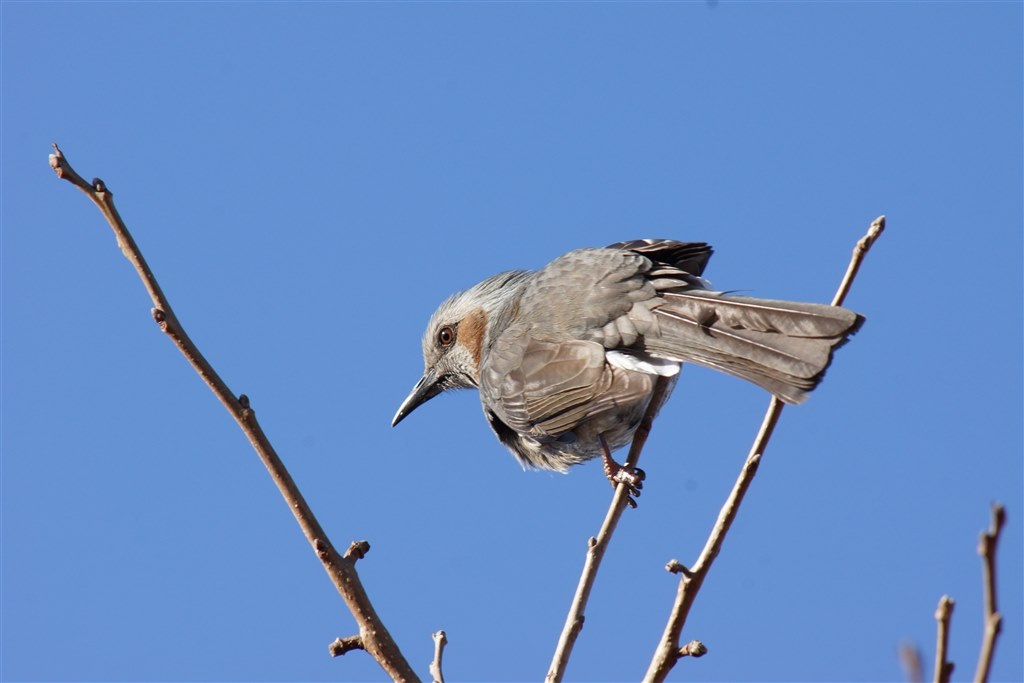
(566, 357)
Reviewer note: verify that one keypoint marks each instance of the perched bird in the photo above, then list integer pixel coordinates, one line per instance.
(566, 357)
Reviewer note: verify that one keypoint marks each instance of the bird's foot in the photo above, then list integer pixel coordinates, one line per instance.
(617, 474)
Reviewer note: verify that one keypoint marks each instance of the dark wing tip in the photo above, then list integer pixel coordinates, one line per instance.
(690, 257)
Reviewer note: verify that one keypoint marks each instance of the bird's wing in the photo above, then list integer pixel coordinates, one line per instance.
(582, 291)
(543, 389)
(608, 295)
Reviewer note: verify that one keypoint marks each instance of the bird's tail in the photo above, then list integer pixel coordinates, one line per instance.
(782, 346)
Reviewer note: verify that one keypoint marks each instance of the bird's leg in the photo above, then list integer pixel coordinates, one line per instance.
(617, 474)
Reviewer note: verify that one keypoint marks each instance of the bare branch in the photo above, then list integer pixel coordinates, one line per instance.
(668, 650)
(373, 636)
(597, 546)
(943, 615)
(860, 250)
(440, 640)
(993, 619)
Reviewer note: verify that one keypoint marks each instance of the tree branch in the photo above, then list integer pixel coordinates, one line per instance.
(943, 615)
(993, 619)
(690, 582)
(373, 636)
(440, 640)
(597, 546)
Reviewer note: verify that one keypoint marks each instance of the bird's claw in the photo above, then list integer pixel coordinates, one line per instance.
(633, 481)
(631, 478)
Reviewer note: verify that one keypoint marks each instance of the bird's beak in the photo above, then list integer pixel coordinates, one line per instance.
(427, 388)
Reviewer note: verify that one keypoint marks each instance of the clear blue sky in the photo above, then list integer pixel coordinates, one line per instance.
(310, 180)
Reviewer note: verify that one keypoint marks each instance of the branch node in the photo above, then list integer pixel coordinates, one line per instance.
(591, 542)
(100, 186)
(676, 567)
(694, 648)
(357, 550)
(322, 548)
(342, 645)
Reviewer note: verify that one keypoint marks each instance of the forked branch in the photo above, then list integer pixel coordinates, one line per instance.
(373, 636)
(668, 651)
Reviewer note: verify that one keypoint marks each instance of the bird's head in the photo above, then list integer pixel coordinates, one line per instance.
(457, 336)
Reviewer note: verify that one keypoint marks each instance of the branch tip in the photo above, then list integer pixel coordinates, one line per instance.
(341, 646)
(357, 550)
(945, 608)
(694, 648)
(440, 640)
(943, 614)
(677, 567)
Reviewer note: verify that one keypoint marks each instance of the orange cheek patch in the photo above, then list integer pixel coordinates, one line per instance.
(471, 333)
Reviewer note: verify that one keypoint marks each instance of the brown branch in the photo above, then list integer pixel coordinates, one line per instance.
(668, 650)
(597, 546)
(440, 640)
(943, 615)
(993, 619)
(373, 636)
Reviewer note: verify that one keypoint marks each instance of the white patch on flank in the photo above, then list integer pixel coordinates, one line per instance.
(649, 365)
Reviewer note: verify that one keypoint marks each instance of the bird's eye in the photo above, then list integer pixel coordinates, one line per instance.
(446, 336)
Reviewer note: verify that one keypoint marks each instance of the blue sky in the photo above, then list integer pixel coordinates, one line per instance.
(309, 181)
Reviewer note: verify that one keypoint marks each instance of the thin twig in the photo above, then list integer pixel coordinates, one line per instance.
(690, 582)
(440, 640)
(597, 546)
(943, 615)
(993, 619)
(373, 636)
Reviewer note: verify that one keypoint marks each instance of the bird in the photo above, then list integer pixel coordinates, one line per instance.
(566, 358)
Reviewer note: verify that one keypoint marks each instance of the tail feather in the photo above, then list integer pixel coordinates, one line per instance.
(784, 347)
(792, 318)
